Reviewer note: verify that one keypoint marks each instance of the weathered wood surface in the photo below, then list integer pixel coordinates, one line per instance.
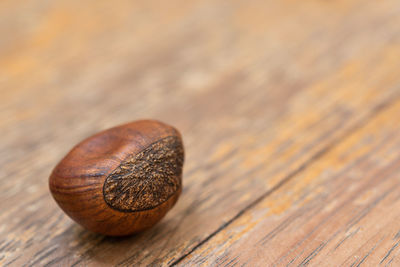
(288, 109)
(342, 209)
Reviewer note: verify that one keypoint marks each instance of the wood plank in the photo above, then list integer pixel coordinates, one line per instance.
(257, 90)
(342, 210)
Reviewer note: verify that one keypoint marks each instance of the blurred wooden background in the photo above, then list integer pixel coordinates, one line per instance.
(289, 112)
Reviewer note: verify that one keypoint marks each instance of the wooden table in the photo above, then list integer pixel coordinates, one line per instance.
(290, 113)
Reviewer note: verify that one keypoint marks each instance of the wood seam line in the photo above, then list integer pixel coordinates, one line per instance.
(379, 108)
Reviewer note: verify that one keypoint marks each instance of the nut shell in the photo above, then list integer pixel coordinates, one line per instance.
(122, 180)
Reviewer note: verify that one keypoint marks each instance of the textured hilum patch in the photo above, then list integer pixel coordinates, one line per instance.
(147, 179)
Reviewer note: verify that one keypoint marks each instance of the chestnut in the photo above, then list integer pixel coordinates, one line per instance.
(122, 180)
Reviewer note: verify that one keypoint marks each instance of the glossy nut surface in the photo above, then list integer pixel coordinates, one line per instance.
(122, 180)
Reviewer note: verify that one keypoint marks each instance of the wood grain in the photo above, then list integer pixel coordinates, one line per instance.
(345, 207)
(260, 92)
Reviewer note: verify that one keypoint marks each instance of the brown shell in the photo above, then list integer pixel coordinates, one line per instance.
(122, 180)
